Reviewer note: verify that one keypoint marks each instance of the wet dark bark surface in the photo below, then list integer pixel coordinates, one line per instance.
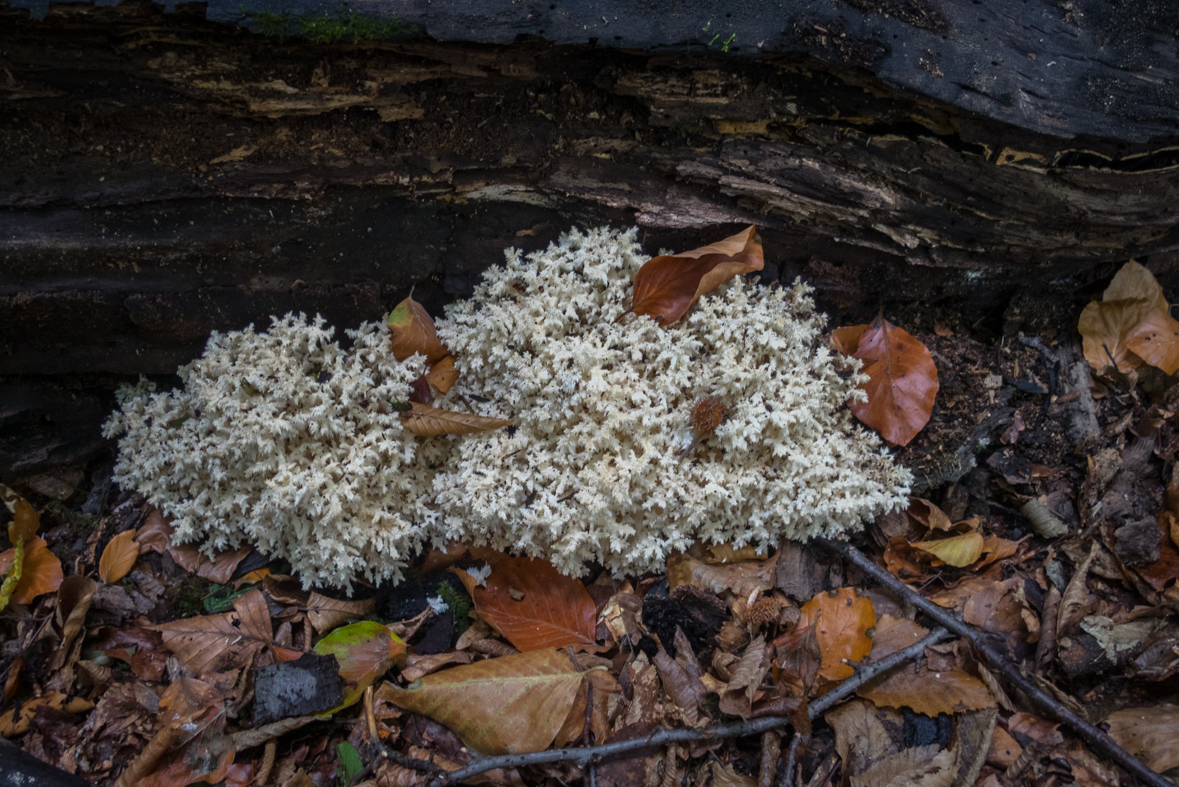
(162, 176)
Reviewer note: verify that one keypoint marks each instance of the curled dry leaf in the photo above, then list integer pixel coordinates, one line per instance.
(119, 557)
(425, 421)
(741, 578)
(413, 332)
(902, 379)
(841, 620)
(667, 286)
(507, 705)
(442, 374)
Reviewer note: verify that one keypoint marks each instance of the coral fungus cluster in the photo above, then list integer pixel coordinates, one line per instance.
(290, 442)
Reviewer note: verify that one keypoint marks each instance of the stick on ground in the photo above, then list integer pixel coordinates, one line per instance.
(997, 662)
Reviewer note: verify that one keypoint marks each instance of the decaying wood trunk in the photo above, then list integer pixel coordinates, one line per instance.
(163, 175)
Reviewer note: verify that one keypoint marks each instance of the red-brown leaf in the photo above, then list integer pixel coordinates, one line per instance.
(902, 380)
(552, 610)
(413, 332)
(667, 286)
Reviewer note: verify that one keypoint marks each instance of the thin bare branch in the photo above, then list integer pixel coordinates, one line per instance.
(997, 662)
(663, 737)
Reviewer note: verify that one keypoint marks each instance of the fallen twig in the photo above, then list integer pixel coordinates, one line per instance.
(662, 737)
(999, 663)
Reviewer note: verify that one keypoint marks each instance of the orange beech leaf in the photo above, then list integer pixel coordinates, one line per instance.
(841, 620)
(667, 286)
(534, 606)
(413, 332)
(442, 374)
(902, 379)
(40, 571)
(507, 705)
(425, 421)
(118, 557)
(25, 522)
(958, 551)
(1156, 340)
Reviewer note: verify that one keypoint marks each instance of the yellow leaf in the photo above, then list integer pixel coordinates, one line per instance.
(426, 421)
(119, 557)
(957, 551)
(1156, 341)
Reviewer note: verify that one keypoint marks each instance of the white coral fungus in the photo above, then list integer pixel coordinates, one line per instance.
(286, 441)
(595, 468)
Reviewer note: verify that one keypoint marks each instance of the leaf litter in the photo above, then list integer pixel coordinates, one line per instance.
(153, 683)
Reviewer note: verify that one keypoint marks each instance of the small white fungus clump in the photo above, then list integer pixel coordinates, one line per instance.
(286, 441)
(595, 468)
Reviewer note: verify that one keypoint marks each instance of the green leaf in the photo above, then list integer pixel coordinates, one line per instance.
(350, 764)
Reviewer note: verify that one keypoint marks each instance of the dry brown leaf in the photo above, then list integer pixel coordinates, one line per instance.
(929, 691)
(512, 704)
(16, 721)
(326, 613)
(667, 286)
(25, 522)
(1150, 734)
(203, 644)
(686, 691)
(442, 374)
(419, 666)
(902, 379)
(119, 557)
(1134, 281)
(1156, 340)
(425, 421)
(1031, 727)
(745, 681)
(413, 332)
(547, 609)
(742, 579)
(893, 635)
(929, 514)
(1106, 328)
(219, 569)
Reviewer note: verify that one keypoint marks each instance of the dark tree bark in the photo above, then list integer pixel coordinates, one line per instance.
(163, 175)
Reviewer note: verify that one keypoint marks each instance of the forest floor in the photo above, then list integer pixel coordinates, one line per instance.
(182, 669)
